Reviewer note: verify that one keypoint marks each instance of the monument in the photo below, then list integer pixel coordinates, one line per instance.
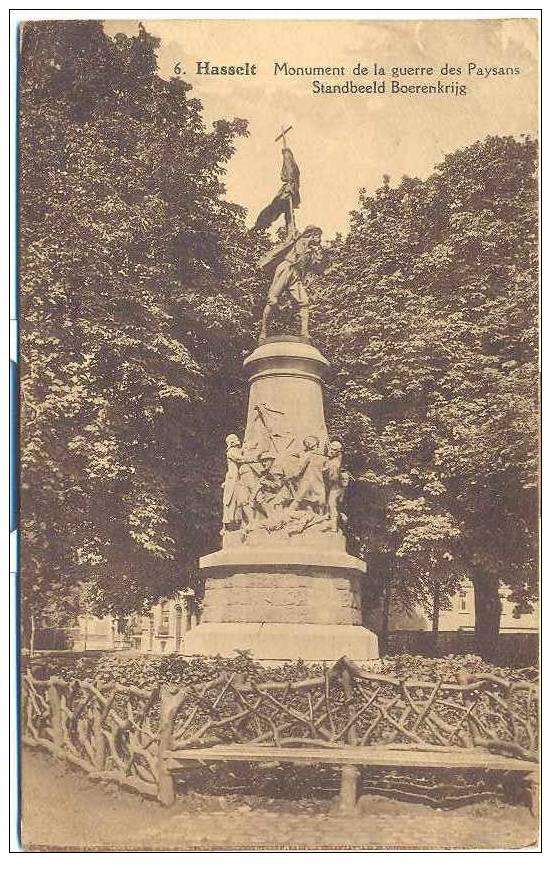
(283, 585)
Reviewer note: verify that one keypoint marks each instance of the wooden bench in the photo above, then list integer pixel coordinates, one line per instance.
(346, 718)
(350, 759)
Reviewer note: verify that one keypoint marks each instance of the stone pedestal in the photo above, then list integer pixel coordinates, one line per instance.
(312, 643)
(283, 593)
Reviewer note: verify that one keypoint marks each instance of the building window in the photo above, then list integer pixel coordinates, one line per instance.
(178, 628)
(164, 628)
(462, 601)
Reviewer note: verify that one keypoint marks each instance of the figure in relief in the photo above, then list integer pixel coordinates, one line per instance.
(310, 485)
(273, 493)
(285, 489)
(238, 484)
(337, 481)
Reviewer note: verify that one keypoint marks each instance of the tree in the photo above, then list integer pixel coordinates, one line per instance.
(136, 293)
(432, 306)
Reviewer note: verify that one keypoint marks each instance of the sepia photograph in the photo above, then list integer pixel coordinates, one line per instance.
(277, 401)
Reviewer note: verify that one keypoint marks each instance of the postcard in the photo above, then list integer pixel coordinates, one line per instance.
(278, 463)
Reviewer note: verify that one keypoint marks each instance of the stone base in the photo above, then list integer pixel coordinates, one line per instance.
(281, 586)
(282, 598)
(278, 642)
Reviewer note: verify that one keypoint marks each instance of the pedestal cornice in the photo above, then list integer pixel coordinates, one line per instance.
(297, 557)
(281, 353)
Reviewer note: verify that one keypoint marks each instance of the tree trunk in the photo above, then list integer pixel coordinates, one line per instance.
(487, 613)
(31, 640)
(387, 598)
(435, 615)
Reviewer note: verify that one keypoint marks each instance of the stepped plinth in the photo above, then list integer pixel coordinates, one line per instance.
(283, 585)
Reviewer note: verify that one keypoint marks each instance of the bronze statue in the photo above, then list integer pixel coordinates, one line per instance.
(287, 198)
(292, 261)
(300, 253)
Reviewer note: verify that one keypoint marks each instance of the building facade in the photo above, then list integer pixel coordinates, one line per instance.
(163, 629)
(414, 632)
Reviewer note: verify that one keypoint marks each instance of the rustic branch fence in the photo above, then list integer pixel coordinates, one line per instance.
(140, 738)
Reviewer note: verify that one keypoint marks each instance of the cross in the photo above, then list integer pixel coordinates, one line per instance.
(282, 135)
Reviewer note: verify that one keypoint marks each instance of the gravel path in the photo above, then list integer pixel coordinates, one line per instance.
(62, 809)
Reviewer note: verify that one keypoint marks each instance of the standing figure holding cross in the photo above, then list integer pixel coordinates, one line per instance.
(287, 198)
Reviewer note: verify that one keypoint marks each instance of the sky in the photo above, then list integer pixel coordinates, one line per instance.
(343, 142)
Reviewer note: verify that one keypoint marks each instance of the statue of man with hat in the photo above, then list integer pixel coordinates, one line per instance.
(288, 264)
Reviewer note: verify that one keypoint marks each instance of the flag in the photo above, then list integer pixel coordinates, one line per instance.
(289, 191)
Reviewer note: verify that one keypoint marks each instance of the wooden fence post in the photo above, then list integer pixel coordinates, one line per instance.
(533, 784)
(99, 739)
(23, 710)
(165, 786)
(350, 774)
(54, 702)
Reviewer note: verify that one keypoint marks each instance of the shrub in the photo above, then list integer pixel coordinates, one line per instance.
(174, 669)
(150, 670)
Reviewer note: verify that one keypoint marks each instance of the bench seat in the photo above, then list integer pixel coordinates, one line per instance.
(351, 758)
(408, 756)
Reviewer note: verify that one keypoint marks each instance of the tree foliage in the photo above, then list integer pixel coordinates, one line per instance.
(429, 315)
(136, 298)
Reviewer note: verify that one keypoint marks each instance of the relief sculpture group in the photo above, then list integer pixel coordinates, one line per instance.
(280, 485)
